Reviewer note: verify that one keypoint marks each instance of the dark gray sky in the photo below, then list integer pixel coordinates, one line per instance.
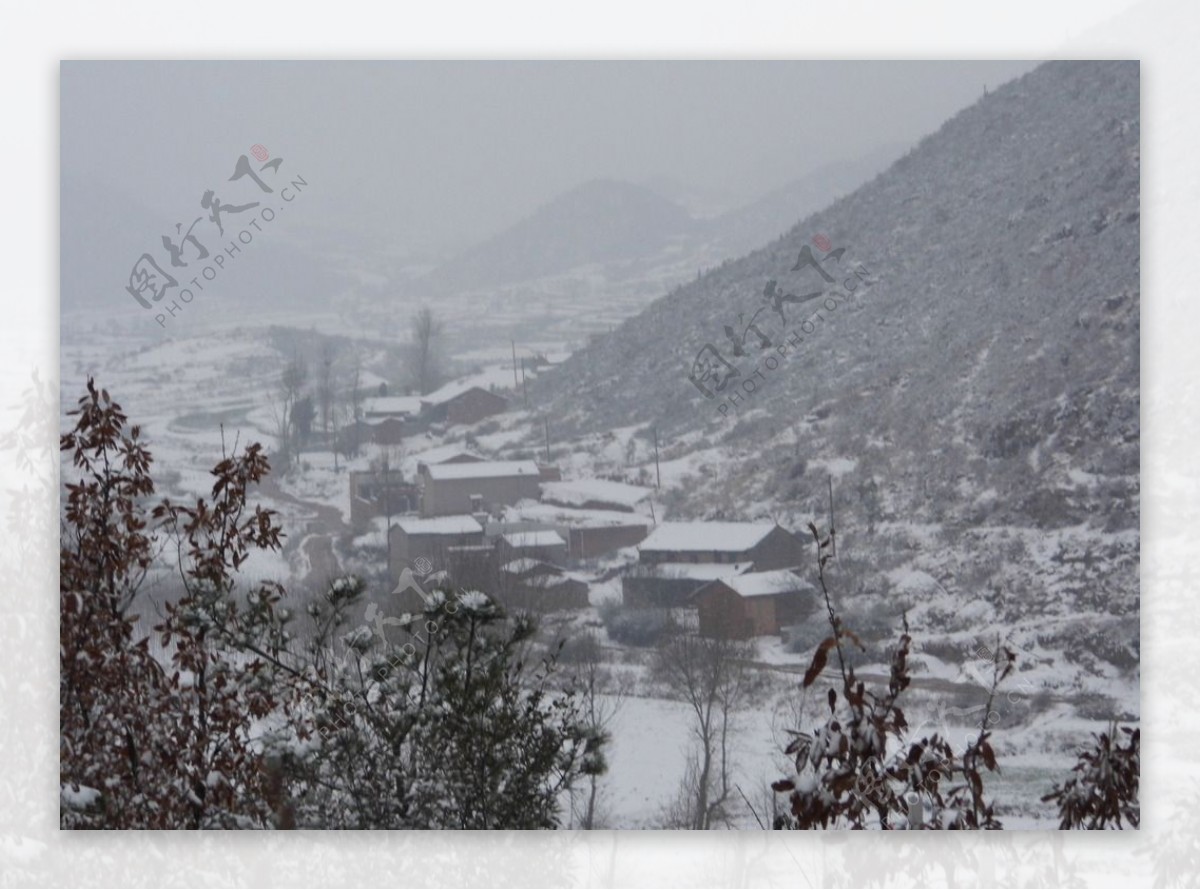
(447, 153)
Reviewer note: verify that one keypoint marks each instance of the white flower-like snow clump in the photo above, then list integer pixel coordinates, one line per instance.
(474, 601)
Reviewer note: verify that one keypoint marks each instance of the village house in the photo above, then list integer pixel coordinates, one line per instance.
(766, 544)
(753, 604)
(481, 486)
(447, 454)
(545, 545)
(387, 420)
(678, 558)
(438, 539)
(593, 540)
(670, 585)
(461, 403)
(381, 492)
(590, 533)
(378, 408)
(594, 494)
(534, 584)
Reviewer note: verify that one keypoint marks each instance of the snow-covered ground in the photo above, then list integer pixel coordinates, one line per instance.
(197, 395)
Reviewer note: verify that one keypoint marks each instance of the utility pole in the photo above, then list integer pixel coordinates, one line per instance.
(657, 470)
(524, 385)
(387, 504)
(832, 538)
(514, 347)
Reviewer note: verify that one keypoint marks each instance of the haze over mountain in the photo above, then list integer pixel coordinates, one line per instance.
(599, 221)
(744, 228)
(653, 226)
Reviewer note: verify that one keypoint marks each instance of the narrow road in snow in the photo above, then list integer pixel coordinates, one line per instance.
(323, 565)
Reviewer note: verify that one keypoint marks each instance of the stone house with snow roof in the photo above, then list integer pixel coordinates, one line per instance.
(593, 540)
(441, 540)
(387, 420)
(446, 454)
(539, 585)
(670, 585)
(594, 494)
(753, 604)
(766, 544)
(546, 545)
(450, 489)
(460, 403)
(678, 558)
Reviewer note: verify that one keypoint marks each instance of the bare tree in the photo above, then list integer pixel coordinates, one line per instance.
(601, 699)
(387, 473)
(355, 403)
(325, 397)
(424, 360)
(290, 390)
(710, 677)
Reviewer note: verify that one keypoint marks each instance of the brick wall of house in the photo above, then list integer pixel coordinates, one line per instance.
(725, 615)
(721, 615)
(780, 549)
(555, 553)
(407, 548)
(473, 406)
(588, 543)
(452, 497)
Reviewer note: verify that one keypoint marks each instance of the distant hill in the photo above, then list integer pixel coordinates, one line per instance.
(744, 228)
(600, 221)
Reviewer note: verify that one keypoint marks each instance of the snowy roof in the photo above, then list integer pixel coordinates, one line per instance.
(575, 518)
(551, 581)
(765, 583)
(384, 406)
(441, 525)
(719, 537)
(528, 564)
(443, 453)
(486, 469)
(701, 571)
(451, 391)
(534, 539)
(524, 564)
(577, 492)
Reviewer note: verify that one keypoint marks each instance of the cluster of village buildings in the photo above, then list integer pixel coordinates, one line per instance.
(518, 530)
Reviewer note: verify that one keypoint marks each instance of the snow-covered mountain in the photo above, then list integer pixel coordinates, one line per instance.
(982, 378)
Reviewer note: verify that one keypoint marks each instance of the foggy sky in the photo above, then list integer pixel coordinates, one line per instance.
(447, 153)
